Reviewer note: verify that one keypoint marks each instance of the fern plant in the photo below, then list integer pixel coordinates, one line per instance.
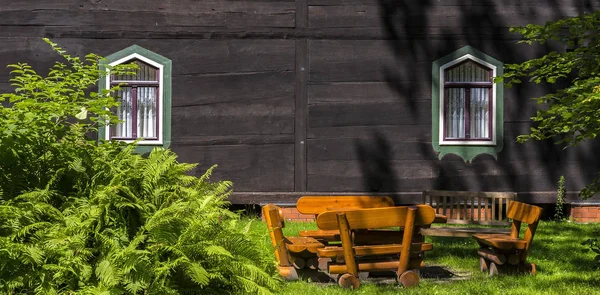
(81, 217)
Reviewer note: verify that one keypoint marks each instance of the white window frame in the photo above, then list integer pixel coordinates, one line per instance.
(442, 107)
(159, 116)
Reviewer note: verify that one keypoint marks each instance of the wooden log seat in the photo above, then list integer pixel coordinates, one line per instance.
(315, 205)
(349, 259)
(292, 253)
(463, 207)
(508, 252)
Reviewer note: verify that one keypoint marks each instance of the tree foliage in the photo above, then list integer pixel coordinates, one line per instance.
(82, 217)
(572, 113)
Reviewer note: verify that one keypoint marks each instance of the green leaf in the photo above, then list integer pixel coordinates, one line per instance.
(82, 115)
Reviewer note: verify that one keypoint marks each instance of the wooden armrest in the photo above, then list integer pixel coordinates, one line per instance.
(500, 241)
(439, 218)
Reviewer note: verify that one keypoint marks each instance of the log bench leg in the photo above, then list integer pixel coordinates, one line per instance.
(288, 272)
(348, 280)
(496, 269)
(409, 278)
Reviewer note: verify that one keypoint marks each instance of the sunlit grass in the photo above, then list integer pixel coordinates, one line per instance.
(563, 267)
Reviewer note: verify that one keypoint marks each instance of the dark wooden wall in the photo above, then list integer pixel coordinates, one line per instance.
(330, 96)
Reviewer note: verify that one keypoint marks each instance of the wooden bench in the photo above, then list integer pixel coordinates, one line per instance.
(315, 205)
(349, 259)
(462, 207)
(509, 252)
(292, 253)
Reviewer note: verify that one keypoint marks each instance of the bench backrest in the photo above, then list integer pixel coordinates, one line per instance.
(519, 213)
(275, 223)
(376, 217)
(319, 204)
(464, 207)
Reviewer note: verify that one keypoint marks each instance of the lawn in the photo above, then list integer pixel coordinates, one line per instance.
(563, 267)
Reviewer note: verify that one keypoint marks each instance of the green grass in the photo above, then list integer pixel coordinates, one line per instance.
(563, 267)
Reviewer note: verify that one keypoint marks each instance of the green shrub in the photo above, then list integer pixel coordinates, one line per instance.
(81, 217)
(559, 213)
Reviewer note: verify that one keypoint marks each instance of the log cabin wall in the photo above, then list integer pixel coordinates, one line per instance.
(317, 96)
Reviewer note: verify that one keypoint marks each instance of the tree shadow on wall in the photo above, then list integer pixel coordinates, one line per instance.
(374, 157)
(420, 32)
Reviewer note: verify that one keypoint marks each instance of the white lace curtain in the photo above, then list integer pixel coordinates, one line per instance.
(479, 109)
(145, 113)
(144, 86)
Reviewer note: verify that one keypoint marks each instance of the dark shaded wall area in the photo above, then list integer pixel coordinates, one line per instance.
(327, 96)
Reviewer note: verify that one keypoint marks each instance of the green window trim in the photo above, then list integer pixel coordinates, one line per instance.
(467, 150)
(136, 52)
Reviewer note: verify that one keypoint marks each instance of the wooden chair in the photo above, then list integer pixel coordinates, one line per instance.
(509, 252)
(350, 259)
(315, 205)
(292, 253)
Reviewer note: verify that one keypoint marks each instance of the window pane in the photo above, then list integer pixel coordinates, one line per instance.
(455, 113)
(146, 112)
(468, 72)
(480, 112)
(145, 72)
(124, 110)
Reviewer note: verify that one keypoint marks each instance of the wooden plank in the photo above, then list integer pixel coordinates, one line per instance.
(275, 225)
(376, 217)
(179, 13)
(436, 15)
(460, 232)
(345, 16)
(333, 252)
(490, 255)
(422, 35)
(206, 89)
(373, 92)
(486, 209)
(301, 14)
(358, 61)
(345, 237)
(500, 241)
(524, 212)
(469, 194)
(320, 204)
(369, 114)
(290, 198)
(252, 139)
(147, 5)
(370, 175)
(302, 244)
(374, 148)
(493, 209)
(301, 115)
(402, 133)
(192, 57)
(262, 117)
(473, 208)
(376, 266)
(479, 208)
(245, 165)
(467, 3)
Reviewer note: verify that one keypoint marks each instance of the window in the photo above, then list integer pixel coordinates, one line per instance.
(145, 98)
(467, 105)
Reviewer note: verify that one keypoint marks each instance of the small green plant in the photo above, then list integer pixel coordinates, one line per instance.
(594, 246)
(559, 213)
